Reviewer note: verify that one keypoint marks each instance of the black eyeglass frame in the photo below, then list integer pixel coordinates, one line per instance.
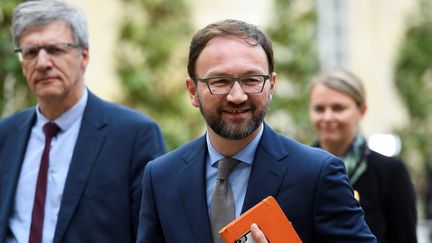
(236, 79)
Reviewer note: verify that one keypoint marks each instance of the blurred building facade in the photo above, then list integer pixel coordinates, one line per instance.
(104, 23)
(362, 35)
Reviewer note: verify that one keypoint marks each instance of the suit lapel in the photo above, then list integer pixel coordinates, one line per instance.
(11, 162)
(192, 187)
(267, 172)
(89, 142)
(266, 178)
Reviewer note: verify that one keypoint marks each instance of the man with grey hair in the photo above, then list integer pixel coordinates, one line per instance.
(70, 167)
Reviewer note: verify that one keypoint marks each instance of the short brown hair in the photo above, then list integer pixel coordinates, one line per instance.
(229, 27)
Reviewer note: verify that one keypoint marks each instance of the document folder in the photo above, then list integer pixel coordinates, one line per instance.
(269, 217)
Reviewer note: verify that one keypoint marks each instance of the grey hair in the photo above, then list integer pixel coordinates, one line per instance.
(33, 14)
(343, 81)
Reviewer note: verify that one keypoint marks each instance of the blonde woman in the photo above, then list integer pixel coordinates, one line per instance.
(381, 184)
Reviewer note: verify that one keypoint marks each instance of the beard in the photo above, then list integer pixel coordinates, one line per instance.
(235, 130)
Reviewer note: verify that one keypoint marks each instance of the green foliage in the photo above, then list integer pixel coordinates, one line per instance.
(414, 81)
(152, 66)
(14, 93)
(413, 78)
(293, 36)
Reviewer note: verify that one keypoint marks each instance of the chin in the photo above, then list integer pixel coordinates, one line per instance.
(48, 94)
(332, 140)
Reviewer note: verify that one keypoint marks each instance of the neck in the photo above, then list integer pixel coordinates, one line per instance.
(54, 107)
(337, 148)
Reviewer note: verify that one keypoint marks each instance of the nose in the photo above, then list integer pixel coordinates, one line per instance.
(43, 60)
(328, 114)
(236, 94)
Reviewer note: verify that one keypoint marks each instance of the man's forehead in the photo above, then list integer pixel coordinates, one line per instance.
(47, 30)
(232, 38)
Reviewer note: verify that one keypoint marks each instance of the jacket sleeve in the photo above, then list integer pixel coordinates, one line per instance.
(149, 229)
(338, 216)
(149, 145)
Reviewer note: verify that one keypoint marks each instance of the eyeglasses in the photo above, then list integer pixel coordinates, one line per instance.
(251, 84)
(29, 53)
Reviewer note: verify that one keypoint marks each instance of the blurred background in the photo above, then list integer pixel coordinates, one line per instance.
(138, 57)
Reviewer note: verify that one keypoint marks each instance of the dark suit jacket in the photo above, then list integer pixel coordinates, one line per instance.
(388, 199)
(310, 185)
(102, 193)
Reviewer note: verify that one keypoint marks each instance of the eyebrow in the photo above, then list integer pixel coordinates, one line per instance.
(247, 73)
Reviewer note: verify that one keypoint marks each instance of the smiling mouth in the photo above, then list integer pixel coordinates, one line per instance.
(237, 115)
(330, 130)
(236, 111)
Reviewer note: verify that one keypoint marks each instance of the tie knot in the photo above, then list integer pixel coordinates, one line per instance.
(225, 166)
(51, 129)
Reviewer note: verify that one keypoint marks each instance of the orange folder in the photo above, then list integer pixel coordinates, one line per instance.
(269, 217)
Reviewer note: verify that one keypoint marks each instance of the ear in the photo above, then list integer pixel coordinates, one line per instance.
(363, 110)
(272, 84)
(192, 89)
(85, 58)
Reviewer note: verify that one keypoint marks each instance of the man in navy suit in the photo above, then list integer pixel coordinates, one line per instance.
(231, 81)
(96, 160)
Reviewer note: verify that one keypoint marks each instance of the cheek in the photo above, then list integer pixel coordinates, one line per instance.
(27, 72)
(259, 100)
(314, 117)
(25, 69)
(353, 123)
(343, 121)
(203, 100)
(348, 124)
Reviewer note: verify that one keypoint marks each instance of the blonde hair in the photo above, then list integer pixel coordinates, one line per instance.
(343, 81)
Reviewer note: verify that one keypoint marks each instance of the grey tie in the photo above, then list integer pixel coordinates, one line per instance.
(222, 205)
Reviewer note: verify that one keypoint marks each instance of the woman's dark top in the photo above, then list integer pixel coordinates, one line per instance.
(386, 195)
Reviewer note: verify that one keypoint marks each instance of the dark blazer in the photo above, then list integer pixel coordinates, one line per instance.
(310, 185)
(102, 192)
(388, 199)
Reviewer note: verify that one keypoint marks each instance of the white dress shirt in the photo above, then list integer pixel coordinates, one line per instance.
(60, 156)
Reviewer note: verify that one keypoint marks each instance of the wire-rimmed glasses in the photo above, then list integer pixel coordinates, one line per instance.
(29, 53)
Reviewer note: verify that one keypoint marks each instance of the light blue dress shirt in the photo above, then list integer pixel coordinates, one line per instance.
(62, 147)
(239, 177)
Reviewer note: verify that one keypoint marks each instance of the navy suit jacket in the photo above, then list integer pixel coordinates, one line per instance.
(310, 185)
(102, 192)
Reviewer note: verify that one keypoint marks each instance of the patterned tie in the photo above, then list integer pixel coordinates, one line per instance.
(222, 205)
(50, 129)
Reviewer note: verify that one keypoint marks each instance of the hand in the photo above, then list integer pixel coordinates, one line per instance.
(257, 234)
